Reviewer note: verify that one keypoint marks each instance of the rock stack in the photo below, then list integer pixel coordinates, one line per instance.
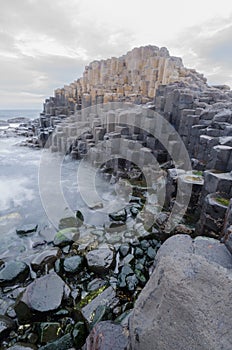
(133, 77)
(149, 76)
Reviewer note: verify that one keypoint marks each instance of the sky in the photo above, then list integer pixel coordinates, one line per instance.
(45, 44)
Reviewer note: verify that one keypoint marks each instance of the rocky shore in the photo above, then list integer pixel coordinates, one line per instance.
(151, 277)
(70, 285)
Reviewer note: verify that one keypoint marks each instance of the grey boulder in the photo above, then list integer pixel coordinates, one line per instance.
(186, 303)
(44, 295)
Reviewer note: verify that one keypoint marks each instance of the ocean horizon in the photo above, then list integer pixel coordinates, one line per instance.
(6, 114)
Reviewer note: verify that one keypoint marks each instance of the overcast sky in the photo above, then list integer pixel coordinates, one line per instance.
(45, 44)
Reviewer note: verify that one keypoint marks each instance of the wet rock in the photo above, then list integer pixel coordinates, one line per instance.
(26, 229)
(122, 277)
(46, 258)
(106, 298)
(44, 295)
(151, 253)
(17, 120)
(79, 216)
(73, 264)
(32, 338)
(85, 244)
(139, 252)
(13, 272)
(23, 346)
(124, 249)
(49, 331)
(101, 260)
(128, 260)
(107, 335)
(69, 222)
(145, 245)
(6, 326)
(141, 277)
(64, 237)
(134, 211)
(95, 284)
(119, 216)
(117, 226)
(132, 282)
(39, 244)
(11, 312)
(102, 313)
(162, 218)
(124, 318)
(113, 238)
(79, 334)
(63, 343)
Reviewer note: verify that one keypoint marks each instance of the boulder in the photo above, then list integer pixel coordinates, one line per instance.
(73, 264)
(107, 335)
(101, 260)
(44, 295)
(46, 258)
(185, 304)
(13, 272)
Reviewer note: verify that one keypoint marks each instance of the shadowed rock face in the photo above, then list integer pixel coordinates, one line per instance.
(185, 304)
(6, 326)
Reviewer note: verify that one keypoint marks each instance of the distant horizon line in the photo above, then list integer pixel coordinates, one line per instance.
(23, 109)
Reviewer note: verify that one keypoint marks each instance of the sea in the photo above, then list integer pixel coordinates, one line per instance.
(20, 193)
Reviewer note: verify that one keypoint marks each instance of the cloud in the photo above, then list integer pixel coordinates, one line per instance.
(208, 48)
(46, 44)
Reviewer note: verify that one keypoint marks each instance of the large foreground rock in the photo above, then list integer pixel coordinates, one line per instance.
(186, 304)
(44, 295)
(107, 335)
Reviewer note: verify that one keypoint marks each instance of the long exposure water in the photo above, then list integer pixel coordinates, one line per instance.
(20, 201)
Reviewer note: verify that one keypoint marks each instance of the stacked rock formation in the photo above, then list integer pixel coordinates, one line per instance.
(201, 115)
(133, 77)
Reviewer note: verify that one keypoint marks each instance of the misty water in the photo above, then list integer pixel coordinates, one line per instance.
(20, 201)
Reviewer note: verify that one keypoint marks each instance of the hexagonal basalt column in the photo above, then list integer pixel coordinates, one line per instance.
(213, 215)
